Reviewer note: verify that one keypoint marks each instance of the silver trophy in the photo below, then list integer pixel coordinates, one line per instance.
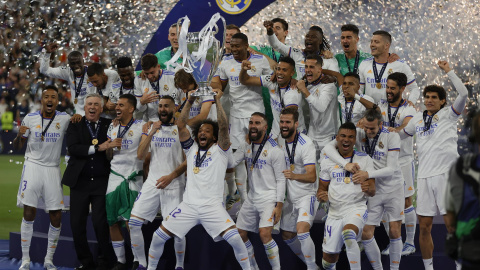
(201, 52)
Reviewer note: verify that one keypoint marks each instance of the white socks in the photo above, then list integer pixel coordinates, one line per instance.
(396, 247)
(410, 224)
(156, 248)
(241, 180)
(296, 247)
(308, 250)
(180, 245)
(239, 248)
(26, 232)
(53, 235)
(271, 249)
(119, 248)
(136, 238)
(373, 253)
(251, 255)
(328, 266)
(428, 263)
(353, 251)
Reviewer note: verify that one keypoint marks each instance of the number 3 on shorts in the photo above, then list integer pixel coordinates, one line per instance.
(24, 185)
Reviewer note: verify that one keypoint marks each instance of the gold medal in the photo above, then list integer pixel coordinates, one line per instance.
(177, 115)
(251, 168)
(292, 167)
(43, 138)
(346, 180)
(196, 170)
(94, 141)
(379, 85)
(75, 101)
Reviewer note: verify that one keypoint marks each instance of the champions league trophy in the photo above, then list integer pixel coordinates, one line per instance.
(201, 52)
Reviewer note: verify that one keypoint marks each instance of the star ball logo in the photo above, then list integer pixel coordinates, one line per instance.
(233, 7)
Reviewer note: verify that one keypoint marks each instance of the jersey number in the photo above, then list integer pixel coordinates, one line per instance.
(328, 229)
(24, 185)
(175, 211)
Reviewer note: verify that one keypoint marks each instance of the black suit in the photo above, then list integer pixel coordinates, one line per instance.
(87, 177)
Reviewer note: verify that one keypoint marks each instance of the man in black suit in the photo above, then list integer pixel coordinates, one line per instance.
(87, 176)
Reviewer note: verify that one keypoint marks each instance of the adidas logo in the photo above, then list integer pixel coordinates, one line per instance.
(410, 188)
(271, 257)
(353, 262)
(396, 262)
(228, 220)
(244, 259)
(370, 71)
(150, 255)
(305, 214)
(232, 70)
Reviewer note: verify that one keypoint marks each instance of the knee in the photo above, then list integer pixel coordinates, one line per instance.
(265, 236)
(408, 202)
(367, 234)
(425, 227)
(395, 232)
(29, 213)
(55, 218)
(287, 235)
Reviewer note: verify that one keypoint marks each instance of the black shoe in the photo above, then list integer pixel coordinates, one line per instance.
(120, 266)
(135, 265)
(85, 267)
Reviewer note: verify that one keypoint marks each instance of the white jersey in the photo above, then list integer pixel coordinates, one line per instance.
(206, 186)
(166, 87)
(368, 85)
(404, 111)
(245, 100)
(266, 181)
(304, 156)
(125, 161)
(358, 108)
(344, 197)
(167, 155)
(323, 111)
(299, 57)
(386, 179)
(46, 152)
(290, 97)
(196, 107)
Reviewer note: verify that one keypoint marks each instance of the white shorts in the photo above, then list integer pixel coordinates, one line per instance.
(238, 131)
(332, 235)
(252, 217)
(214, 218)
(431, 195)
(302, 210)
(40, 182)
(389, 206)
(408, 172)
(150, 199)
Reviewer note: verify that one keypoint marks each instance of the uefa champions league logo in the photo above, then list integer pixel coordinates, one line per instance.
(233, 7)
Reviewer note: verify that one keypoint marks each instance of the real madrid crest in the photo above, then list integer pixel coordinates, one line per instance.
(233, 7)
(174, 132)
(380, 144)
(264, 153)
(130, 133)
(390, 71)
(209, 154)
(165, 88)
(57, 126)
(435, 118)
(254, 69)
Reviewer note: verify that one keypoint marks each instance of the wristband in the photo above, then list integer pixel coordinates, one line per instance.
(357, 97)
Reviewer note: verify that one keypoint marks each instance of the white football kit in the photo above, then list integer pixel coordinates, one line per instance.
(356, 113)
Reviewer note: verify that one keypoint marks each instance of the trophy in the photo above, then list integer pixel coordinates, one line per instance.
(201, 52)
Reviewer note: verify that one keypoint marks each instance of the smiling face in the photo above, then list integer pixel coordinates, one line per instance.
(378, 45)
(93, 108)
(205, 136)
(172, 37)
(372, 128)
(166, 109)
(49, 102)
(257, 127)
(313, 39)
(152, 73)
(350, 83)
(349, 41)
(346, 141)
(284, 73)
(288, 126)
(239, 49)
(76, 64)
(394, 92)
(99, 81)
(432, 101)
(124, 110)
(228, 37)
(312, 70)
(127, 76)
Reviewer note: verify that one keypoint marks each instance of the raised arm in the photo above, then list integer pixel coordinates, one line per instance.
(44, 59)
(223, 136)
(461, 100)
(273, 40)
(246, 79)
(146, 140)
(182, 121)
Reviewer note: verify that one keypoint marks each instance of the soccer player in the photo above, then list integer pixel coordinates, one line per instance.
(282, 93)
(244, 99)
(75, 74)
(300, 204)
(125, 180)
(159, 83)
(167, 53)
(375, 70)
(208, 157)
(384, 147)
(436, 130)
(263, 207)
(165, 184)
(347, 197)
(231, 30)
(351, 109)
(315, 43)
(280, 29)
(102, 84)
(350, 59)
(321, 99)
(43, 131)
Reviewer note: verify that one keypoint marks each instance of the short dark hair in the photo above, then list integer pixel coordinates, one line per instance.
(149, 61)
(352, 74)
(315, 57)
(233, 26)
(261, 115)
(282, 21)
(95, 69)
(168, 97)
(123, 62)
(131, 99)
(52, 87)
(241, 36)
(196, 127)
(348, 126)
(291, 110)
(372, 114)
(324, 46)
(442, 94)
(399, 78)
(350, 27)
(183, 78)
(175, 25)
(75, 54)
(384, 34)
(288, 60)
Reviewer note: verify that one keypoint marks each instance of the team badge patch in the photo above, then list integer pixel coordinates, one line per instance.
(264, 153)
(390, 71)
(57, 126)
(435, 118)
(380, 144)
(233, 7)
(130, 133)
(209, 154)
(174, 132)
(165, 88)
(254, 69)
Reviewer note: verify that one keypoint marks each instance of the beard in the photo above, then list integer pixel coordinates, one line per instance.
(256, 137)
(290, 133)
(166, 118)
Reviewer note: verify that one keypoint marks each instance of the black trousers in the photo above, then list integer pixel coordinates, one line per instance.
(80, 200)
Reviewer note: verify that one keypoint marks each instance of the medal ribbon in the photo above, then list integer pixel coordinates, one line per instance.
(291, 157)
(80, 83)
(347, 173)
(44, 131)
(156, 86)
(259, 151)
(370, 148)
(349, 112)
(280, 94)
(94, 135)
(391, 118)
(183, 105)
(355, 66)
(428, 120)
(127, 127)
(198, 160)
(378, 77)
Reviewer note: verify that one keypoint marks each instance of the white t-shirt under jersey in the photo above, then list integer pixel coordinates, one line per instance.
(245, 100)
(323, 107)
(358, 108)
(47, 152)
(304, 155)
(368, 84)
(344, 197)
(125, 160)
(167, 155)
